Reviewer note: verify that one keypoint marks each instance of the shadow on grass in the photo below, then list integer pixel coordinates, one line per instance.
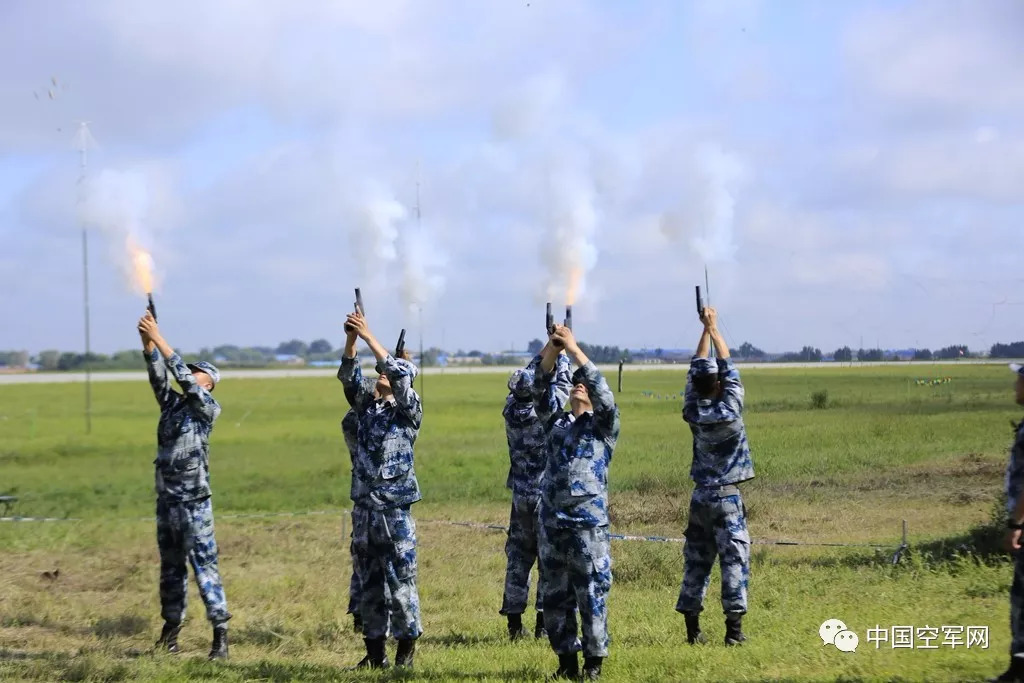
(981, 544)
(462, 640)
(124, 625)
(303, 671)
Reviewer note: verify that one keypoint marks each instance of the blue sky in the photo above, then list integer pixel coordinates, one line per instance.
(846, 170)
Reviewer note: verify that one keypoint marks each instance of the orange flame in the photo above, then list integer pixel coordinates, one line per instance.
(142, 267)
(575, 278)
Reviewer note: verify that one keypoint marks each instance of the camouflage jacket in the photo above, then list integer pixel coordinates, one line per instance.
(350, 431)
(574, 489)
(525, 433)
(183, 433)
(721, 454)
(382, 467)
(1015, 470)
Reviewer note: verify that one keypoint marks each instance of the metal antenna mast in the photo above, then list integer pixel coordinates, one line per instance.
(707, 295)
(82, 143)
(419, 229)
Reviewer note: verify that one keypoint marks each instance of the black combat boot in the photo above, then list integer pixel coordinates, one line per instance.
(568, 667)
(539, 631)
(376, 656)
(592, 668)
(1014, 674)
(169, 638)
(733, 628)
(219, 649)
(693, 633)
(515, 627)
(406, 650)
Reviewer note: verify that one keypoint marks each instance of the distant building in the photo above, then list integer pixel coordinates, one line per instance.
(291, 359)
(324, 363)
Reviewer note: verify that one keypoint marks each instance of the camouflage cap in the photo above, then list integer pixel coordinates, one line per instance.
(209, 368)
(704, 366)
(519, 383)
(578, 377)
(1018, 368)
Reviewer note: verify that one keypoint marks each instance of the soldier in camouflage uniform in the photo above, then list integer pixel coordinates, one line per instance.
(349, 429)
(184, 512)
(1015, 522)
(713, 407)
(383, 489)
(575, 554)
(527, 456)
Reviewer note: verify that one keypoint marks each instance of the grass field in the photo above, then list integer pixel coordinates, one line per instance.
(879, 449)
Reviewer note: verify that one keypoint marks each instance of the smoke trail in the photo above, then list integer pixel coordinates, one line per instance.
(376, 235)
(119, 204)
(706, 221)
(423, 268)
(573, 221)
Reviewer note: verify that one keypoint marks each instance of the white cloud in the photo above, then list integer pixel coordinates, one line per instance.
(801, 199)
(957, 54)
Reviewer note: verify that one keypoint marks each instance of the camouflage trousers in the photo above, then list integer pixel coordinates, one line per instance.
(1017, 607)
(184, 531)
(717, 528)
(355, 584)
(384, 547)
(521, 553)
(577, 568)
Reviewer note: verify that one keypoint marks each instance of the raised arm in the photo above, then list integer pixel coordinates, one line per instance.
(357, 391)
(199, 399)
(401, 375)
(357, 323)
(704, 345)
(548, 357)
(690, 396)
(711, 329)
(732, 387)
(158, 380)
(551, 386)
(606, 413)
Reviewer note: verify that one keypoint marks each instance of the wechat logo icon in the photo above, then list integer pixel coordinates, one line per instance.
(834, 632)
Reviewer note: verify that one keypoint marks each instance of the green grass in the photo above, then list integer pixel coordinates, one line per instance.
(846, 467)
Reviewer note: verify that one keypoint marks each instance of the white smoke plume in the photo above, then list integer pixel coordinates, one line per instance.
(705, 221)
(122, 204)
(572, 222)
(540, 138)
(375, 231)
(423, 268)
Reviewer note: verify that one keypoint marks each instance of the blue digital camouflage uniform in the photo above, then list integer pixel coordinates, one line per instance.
(384, 487)
(575, 553)
(1014, 485)
(717, 521)
(184, 511)
(525, 435)
(349, 429)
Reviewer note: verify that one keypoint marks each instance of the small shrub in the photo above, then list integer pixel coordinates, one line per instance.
(819, 399)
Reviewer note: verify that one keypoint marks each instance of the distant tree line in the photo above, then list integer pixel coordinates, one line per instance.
(1014, 350)
(322, 350)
